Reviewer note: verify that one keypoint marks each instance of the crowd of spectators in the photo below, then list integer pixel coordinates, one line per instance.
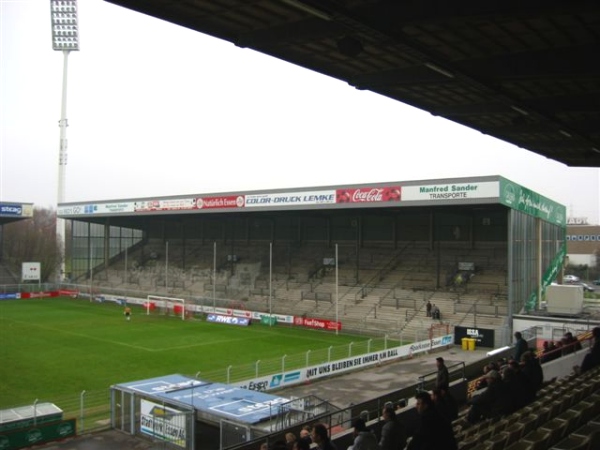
(506, 386)
(552, 350)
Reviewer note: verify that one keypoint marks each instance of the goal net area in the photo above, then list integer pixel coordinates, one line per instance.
(166, 306)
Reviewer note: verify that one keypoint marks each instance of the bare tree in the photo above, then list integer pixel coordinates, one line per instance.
(33, 240)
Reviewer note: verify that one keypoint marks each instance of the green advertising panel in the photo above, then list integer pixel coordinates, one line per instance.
(37, 435)
(524, 200)
(549, 276)
(268, 320)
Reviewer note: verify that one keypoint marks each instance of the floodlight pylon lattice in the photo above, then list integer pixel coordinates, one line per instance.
(65, 38)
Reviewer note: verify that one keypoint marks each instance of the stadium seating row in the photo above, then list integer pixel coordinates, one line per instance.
(565, 416)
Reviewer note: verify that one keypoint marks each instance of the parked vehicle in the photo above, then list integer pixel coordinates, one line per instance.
(587, 287)
(571, 279)
(597, 282)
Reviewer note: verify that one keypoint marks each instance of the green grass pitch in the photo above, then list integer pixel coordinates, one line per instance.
(55, 347)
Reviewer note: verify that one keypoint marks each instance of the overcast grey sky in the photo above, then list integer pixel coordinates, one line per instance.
(155, 109)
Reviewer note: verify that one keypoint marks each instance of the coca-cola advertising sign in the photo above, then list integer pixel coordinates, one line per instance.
(368, 195)
(320, 324)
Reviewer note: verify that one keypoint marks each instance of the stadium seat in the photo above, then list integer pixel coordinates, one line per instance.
(587, 430)
(539, 439)
(521, 445)
(543, 415)
(586, 410)
(555, 428)
(468, 444)
(571, 418)
(484, 434)
(514, 432)
(499, 426)
(481, 446)
(573, 442)
(577, 395)
(555, 408)
(497, 441)
(529, 422)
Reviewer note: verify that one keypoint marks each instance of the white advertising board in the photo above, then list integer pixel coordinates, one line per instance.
(31, 271)
(285, 379)
(162, 422)
(453, 191)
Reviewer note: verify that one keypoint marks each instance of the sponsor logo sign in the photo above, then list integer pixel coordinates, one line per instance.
(532, 203)
(112, 208)
(173, 204)
(484, 337)
(11, 210)
(454, 191)
(369, 195)
(230, 201)
(228, 320)
(162, 422)
(39, 294)
(320, 324)
(96, 208)
(290, 199)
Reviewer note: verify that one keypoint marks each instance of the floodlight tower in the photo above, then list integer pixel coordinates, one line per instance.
(65, 38)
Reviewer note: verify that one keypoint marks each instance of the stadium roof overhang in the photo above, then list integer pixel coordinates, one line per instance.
(523, 72)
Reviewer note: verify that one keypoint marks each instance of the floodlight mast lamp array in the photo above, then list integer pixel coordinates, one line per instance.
(65, 38)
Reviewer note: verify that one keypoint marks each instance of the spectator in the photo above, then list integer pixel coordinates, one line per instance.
(572, 342)
(442, 380)
(446, 404)
(321, 438)
(482, 383)
(435, 313)
(491, 402)
(278, 445)
(290, 438)
(532, 369)
(364, 439)
(305, 434)
(520, 346)
(428, 308)
(592, 359)
(302, 444)
(518, 388)
(433, 432)
(393, 432)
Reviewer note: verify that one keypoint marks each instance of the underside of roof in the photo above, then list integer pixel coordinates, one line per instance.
(527, 73)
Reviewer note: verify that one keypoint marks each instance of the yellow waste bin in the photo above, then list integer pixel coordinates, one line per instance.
(465, 343)
(471, 343)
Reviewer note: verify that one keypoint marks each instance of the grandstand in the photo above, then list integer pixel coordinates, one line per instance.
(398, 246)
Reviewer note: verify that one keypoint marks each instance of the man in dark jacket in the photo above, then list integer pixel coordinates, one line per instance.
(364, 439)
(442, 380)
(393, 433)
(434, 432)
(492, 402)
(521, 346)
(592, 359)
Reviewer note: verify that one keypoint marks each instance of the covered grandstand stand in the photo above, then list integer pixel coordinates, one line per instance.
(407, 236)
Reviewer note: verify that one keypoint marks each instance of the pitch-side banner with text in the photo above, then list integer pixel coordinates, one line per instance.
(285, 379)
